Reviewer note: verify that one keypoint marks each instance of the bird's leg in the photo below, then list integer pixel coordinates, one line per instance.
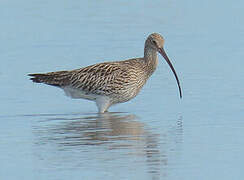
(103, 103)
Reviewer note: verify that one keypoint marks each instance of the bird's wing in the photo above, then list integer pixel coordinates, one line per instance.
(103, 78)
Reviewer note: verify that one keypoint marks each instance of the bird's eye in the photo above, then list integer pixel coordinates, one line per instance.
(154, 42)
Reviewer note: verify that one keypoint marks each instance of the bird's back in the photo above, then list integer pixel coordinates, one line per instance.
(120, 80)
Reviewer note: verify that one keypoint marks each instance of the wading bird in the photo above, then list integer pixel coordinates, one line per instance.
(109, 83)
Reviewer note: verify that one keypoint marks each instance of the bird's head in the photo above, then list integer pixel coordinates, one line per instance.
(156, 42)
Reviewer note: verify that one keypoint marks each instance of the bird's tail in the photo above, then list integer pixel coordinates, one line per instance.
(59, 78)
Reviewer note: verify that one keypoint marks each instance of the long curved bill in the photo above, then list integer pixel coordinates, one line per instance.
(163, 53)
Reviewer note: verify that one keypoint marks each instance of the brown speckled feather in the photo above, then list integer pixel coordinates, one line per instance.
(110, 78)
(59, 78)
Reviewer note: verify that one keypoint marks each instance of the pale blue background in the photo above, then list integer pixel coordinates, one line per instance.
(45, 135)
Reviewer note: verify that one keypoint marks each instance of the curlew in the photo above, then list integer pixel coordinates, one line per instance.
(109, 83)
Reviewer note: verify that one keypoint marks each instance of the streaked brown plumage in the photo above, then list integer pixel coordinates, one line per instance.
(109, 83)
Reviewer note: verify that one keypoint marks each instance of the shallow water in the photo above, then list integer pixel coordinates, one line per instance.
(45, 135)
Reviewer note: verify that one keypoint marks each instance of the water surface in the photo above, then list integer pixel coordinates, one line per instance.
(46, 135)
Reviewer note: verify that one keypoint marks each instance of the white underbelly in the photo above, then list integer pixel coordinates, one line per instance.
(79, 94)
(124, 95)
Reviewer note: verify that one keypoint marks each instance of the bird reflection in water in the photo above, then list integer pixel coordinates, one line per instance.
(112, 131)
(96, 129)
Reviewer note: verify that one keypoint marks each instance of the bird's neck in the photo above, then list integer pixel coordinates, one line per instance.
(151, 59)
